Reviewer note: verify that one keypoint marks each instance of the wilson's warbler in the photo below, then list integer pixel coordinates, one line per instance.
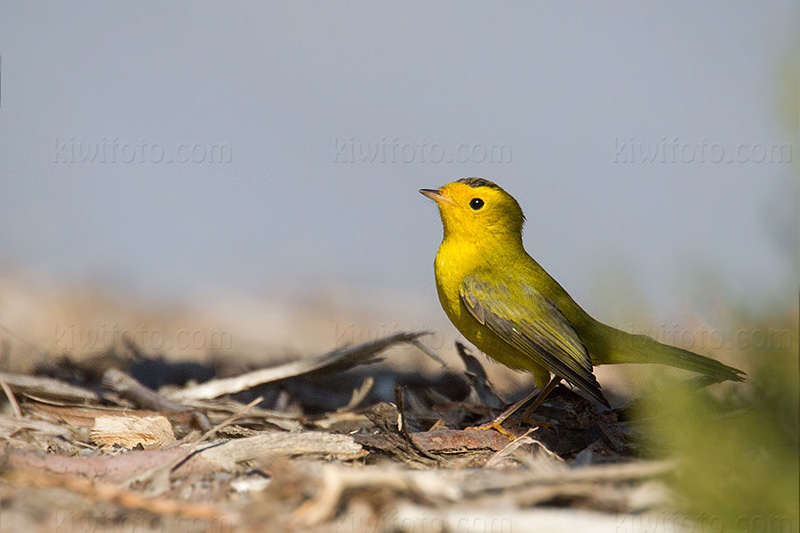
(503, 302)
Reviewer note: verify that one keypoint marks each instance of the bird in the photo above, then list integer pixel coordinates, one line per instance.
(511, 309)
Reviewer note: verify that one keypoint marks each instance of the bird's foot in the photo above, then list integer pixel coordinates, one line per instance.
(547, 426)
(496, 425)
(532, 420)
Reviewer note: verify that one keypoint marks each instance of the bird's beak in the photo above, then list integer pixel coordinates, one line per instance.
(436, 195)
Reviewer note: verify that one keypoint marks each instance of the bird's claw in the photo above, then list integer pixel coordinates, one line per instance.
(496, 425)
(528, 419)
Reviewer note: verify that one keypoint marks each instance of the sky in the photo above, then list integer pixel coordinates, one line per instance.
(253, 146)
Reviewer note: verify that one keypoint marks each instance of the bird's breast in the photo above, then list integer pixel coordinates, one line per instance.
(452, 264)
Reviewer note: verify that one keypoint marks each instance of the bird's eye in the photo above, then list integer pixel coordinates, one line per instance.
(476, 203)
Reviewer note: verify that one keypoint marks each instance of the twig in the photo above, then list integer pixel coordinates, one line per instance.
(48, 387)
(306, 444)
(11, 398)
(257, 415)
(478, 380)
(144, 398)
(211, 432)
(342, 358)
(46, 428)
(359, 395)
(509, 449)
(403, 426)
(138, 394)
(386, 418)
(230, 420)
(421, 346)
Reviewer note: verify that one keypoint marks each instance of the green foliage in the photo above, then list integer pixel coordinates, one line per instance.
(738, 454)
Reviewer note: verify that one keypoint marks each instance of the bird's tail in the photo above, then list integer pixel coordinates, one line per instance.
(609, 345)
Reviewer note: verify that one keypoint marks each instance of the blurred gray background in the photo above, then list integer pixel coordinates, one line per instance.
(166, 149)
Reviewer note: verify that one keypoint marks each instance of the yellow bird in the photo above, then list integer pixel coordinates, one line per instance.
(505, 303)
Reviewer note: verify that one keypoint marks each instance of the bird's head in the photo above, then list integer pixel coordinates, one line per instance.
(477, 210)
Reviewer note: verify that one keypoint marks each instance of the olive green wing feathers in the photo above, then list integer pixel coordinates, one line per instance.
(532, 324)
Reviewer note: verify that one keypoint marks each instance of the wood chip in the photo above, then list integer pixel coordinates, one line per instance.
(132, 431)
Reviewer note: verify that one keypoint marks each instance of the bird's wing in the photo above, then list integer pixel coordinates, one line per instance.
(532, 324)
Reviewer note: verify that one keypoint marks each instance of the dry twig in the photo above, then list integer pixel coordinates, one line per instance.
(48, 387)
(332, 361)
(144, 398)
(11, 398)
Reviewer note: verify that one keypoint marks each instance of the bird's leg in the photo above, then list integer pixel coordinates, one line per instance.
(541, 398)
(497, 422)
